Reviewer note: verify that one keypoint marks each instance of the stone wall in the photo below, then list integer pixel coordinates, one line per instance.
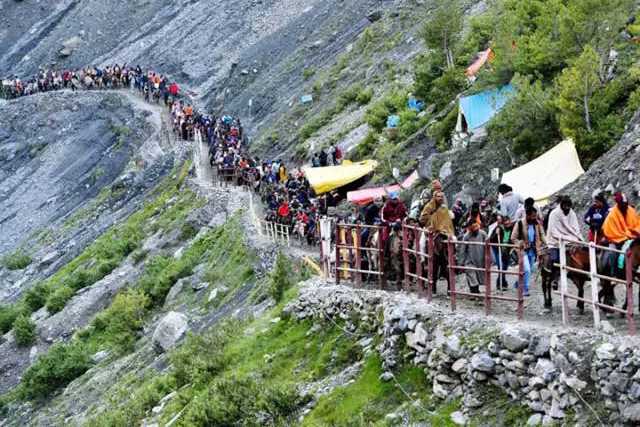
(559, 374)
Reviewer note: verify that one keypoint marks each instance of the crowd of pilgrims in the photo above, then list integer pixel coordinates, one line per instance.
(152, 85)
(286, 194)
(290, 200)
(507, 219)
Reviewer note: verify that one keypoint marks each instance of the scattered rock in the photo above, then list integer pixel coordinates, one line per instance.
(534, 420)
(170, 330)
(458, 418)
(631, 413)
(482, 362)
(375, 16)
(386, 376)
(606, 351)
(199, 286)
(459, 366)
(100, 356)
(545, 369)
(515, 339)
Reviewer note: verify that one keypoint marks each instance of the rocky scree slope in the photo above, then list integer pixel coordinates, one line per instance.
(72, 164)
(247, 57)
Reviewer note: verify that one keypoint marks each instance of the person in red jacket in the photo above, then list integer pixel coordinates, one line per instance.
(394, 210)
(283, 211)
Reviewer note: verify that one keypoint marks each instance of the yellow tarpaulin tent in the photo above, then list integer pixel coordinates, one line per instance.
(546, 175)
(331, 177)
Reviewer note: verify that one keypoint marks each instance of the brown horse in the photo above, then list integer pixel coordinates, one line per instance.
(578, 258)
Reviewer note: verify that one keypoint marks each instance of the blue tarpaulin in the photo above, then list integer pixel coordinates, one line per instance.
(478, 109)
(415, 105)
(305, 99)
(393, 121)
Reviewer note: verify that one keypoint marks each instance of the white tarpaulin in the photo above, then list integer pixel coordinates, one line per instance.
(546, 175)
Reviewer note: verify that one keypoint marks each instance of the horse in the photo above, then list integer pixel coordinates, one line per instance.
(577, 258)
(607, 291)
(393, 253)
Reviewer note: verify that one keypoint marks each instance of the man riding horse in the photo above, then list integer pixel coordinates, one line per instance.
(621, 229)
(563, 224)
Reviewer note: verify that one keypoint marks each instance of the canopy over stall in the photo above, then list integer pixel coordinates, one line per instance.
(546, 175)
(329, 178)
(367, 195)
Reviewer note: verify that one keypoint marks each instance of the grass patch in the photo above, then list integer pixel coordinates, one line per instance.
(279, 279)
(368, 399)
(18, 260)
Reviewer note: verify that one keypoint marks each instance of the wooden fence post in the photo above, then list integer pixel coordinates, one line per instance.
(337, 253)
(563, 280)
(430, 266)
(521, 256)
(452, 272)
(358, 244)
(381, 256)
(421, 284)
(487, 278)
(405, 258)
(595, 284)
(628, 261)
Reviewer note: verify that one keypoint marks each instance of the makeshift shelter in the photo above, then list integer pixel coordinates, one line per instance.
(329, 178)
(363, 197)
(476, 110)
(393, 121)
(546, 175)
(472, 71)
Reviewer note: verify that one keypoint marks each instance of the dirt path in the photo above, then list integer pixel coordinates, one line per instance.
(204, 174)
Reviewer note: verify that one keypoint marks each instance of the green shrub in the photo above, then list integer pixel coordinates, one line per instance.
(364, 96)
(376, 116)
(445, 88)
(307, 73)
(528, 119)
(58, 367)
(240, 401)
(279, 279)
(119, 324)
(187, 231)
(24, 330)
(442, 130)
(58, 299)
(17, 260)
(8, 315)
(36, 297)
(367, 145)
(139, 255)
(202, 357)
(354, 93)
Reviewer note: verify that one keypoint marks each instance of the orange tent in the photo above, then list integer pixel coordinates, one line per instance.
(477, 65)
